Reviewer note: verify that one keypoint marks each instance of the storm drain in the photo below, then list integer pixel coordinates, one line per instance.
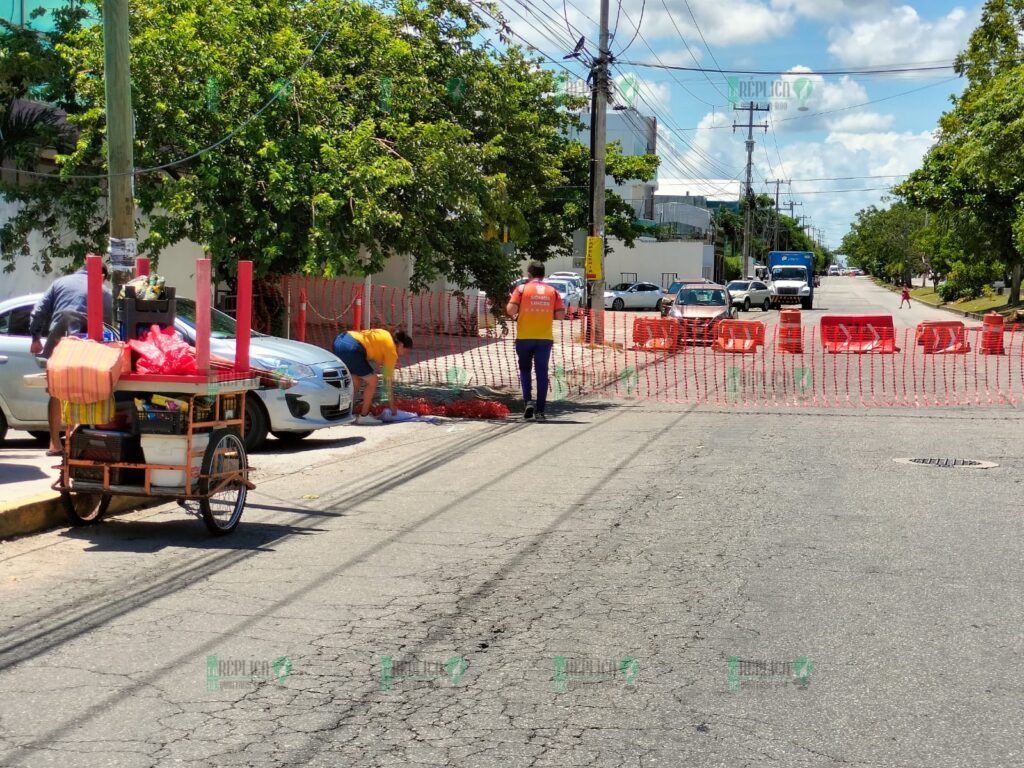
(948, 463)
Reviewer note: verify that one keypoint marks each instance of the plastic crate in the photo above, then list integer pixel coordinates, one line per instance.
(100, 445)
(159, 422)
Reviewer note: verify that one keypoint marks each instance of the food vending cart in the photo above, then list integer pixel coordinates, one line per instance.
(191, 445)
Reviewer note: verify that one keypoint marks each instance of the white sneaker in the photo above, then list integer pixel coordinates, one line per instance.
(368, 421)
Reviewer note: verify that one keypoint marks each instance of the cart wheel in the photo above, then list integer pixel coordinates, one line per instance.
(222, 510)
(85, 508)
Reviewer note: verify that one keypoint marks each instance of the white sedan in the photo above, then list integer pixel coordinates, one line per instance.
(572, 296)
(634, 296)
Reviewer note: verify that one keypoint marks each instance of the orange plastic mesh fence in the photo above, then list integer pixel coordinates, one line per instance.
(459, 343)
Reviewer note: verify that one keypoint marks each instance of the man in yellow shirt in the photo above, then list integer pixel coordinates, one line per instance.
(357, 349)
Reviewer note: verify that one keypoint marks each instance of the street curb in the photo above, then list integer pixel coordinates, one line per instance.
(39, 513)
(943, 307)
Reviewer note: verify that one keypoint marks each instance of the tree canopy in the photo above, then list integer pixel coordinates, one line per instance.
(354, 131)
(973, 176)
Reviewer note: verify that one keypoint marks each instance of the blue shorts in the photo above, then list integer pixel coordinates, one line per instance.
(353, 355)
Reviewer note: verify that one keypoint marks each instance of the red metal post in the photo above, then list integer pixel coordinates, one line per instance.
(203, 315)
(94, 303)
(357, 312)
(141, 266)
(243, 316)
(300, 328)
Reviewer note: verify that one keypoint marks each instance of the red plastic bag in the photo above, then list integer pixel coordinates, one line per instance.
(163, 351)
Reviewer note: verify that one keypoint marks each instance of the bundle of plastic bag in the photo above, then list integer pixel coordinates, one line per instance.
(163, 351)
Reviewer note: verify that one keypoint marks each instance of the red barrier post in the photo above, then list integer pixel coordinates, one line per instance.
(357, 310)
(141, 266)
(203, 315)
(300, 320)
(992, 334)
(789, 334)
(243, 316)
(94, 304)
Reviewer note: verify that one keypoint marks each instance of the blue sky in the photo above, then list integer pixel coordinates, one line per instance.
(881, 139)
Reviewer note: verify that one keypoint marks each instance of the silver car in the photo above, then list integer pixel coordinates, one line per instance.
(750, 293)
(634, 296)
(321, 396)
(572, 296)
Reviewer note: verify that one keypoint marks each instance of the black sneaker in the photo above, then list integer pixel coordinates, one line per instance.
(540, 416)
(528, 411)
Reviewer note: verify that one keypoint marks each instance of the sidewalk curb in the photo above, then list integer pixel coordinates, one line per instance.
(943, 307)
(39, 513)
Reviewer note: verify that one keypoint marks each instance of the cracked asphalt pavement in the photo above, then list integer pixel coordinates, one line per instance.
(631, 585)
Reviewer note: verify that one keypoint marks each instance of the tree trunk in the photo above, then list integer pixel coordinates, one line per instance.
(1015, 284)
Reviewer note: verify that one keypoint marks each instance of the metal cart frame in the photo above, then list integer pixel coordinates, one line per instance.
(217, 492)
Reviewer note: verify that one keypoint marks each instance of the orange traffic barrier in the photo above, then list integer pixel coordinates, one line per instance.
(655, 333)
(992, 334)
(858, 334)
(942, 337)
(740, 336)
(790, 334)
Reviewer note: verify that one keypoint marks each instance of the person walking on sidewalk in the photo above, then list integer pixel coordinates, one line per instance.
(905, 296)
(535, 306)
(357, 349)
(62, 311)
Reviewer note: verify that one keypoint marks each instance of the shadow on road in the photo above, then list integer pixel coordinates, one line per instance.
(147, 536)
(311, 443)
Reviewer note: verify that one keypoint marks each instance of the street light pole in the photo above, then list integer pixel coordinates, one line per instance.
(120, 138)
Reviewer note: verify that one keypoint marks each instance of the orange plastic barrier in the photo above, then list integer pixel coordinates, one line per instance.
(655, 334)
(790, 335)
(739, 336)
(992, 334)
(942, 337)
(858, 334)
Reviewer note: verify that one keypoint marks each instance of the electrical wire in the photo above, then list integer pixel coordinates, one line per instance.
(700, 32)
(823, 72)
(643, 6)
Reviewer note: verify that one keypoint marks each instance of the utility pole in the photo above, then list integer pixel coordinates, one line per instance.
(748, 219)
(598, 144)
(777, 183)
(120, 137)
(791, 205)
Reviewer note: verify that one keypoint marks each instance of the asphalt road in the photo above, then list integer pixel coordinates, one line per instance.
(547, 595)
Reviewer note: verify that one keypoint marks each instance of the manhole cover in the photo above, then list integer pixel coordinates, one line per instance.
(948, 463)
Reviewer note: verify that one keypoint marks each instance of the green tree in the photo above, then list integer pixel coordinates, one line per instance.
(975, 171)
(402, 132)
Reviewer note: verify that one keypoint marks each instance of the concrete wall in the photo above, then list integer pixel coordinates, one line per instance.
(654, 262)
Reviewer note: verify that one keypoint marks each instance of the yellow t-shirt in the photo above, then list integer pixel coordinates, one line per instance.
(380, 348)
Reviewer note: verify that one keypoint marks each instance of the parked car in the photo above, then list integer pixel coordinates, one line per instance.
(634, 296)
(673, 289)
(699, 308)
(571, 277)
(749, 293)
(572, 296)
(320, 397)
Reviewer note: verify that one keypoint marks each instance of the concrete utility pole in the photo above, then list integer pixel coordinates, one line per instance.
(120, 137)
(777, 183)
(748, 219)
(598, 145)
(791, 205)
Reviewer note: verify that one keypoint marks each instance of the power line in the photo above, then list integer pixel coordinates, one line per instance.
(824, 72)
(688, 50)
(643, 6)
(840, 191)
(703, 39)
(856, 178)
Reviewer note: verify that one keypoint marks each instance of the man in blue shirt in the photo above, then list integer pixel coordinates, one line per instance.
(60, 312)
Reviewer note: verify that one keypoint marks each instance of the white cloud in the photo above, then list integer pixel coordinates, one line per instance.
(831, 9)
(902, 36)
(861, 122)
